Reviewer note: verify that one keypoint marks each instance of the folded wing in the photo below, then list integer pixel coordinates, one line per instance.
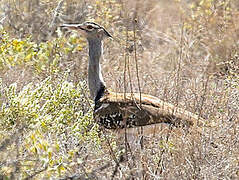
(120, 110)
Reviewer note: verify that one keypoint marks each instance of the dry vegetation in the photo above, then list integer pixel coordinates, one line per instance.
(187, 54)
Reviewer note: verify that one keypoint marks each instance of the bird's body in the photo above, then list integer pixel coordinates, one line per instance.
(120, 110)
(124, 110)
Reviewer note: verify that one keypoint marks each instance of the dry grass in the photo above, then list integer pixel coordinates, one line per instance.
(182, 57)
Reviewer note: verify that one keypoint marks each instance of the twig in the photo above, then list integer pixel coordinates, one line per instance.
(203, 96)
(162, 153)
(89, 175)
(11, 139)
(1, 21)
(179, 64)
(128, 63)
(56, 12)
(36, 173)
(135, 57)
(125, 65)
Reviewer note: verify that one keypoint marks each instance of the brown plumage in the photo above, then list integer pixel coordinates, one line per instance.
(120, 110)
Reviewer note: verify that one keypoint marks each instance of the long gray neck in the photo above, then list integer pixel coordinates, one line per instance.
(95, 79)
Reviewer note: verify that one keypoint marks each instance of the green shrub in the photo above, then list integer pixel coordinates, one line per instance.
(53, 116)
(44, 57)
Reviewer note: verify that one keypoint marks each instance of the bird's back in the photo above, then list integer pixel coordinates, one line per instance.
(120, 110)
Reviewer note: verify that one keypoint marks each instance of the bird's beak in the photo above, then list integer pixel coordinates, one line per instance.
(73, 26)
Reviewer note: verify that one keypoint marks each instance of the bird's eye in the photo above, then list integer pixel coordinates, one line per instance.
(89, 27)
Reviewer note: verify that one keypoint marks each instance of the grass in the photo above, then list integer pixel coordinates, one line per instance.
(186, 54)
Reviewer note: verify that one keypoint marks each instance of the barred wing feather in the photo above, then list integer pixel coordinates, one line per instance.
(120, 110)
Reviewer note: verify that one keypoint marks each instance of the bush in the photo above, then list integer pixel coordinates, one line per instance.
(51, 123)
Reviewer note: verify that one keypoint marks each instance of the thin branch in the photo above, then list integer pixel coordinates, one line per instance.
(179, 64)
(11, 139)
(1, 21)
(36, 173)
(135, 57)
(56, 13)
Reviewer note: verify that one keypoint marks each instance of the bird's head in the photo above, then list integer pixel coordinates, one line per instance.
(90, 30)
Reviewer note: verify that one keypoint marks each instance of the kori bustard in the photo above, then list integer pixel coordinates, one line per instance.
(123, 110)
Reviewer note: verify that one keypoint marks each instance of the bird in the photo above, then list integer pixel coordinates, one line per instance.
(114, 110)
